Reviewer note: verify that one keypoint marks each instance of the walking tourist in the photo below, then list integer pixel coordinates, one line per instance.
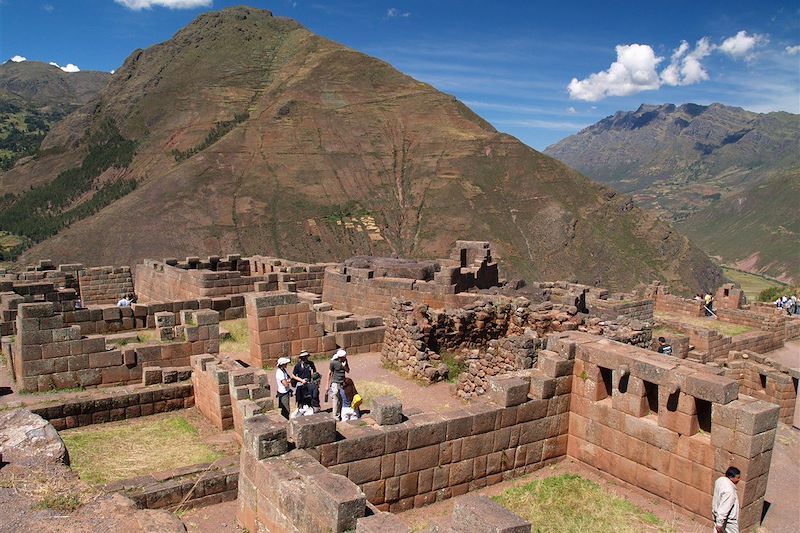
(725, 504)
(307, 394)
(283, 379)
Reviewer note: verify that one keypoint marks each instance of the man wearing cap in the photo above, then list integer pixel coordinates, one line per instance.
(338, 369)
(284, 378)
(307, 394)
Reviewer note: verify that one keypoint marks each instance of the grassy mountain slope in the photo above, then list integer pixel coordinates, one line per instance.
(727, 177)
(33, 96)
(255, 136)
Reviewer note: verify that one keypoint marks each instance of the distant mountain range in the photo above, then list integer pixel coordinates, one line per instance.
(248, 133)
(33, 96)
(727, 177)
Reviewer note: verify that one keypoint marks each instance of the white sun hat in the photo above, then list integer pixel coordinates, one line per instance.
(283, 361)
(339, 354)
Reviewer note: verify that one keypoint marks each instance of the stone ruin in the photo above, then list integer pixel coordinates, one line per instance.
(551, 370)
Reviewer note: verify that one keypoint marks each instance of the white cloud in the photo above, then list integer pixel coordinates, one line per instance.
(793, 50)
(18, 59)
(393, 12)
(69, 68)
(685, 67)
(571, 110)
(113, 71)
(741, 45)
(633, 71)
(138, 5)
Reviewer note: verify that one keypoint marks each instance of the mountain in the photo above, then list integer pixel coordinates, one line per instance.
(727, 177)
(247, 133)
(33, 96)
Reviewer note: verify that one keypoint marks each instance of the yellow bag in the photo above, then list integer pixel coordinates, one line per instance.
(356, 403)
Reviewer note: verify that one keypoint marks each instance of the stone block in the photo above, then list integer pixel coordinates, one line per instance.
(313, 430)
(508, 392)
(757, 417)
(263, 437)
(165, 319)
(381, 523)
(35, 310)
(151, 375)
(386, 410)
(478, 513)
(710, 387)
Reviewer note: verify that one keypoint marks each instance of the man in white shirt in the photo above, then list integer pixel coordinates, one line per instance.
(283, 379)
(725, 504)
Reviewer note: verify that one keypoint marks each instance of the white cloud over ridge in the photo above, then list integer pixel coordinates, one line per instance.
(741, 45)
(138, 5)
(18, 59)
(634, 70)
(685, 67)
(69, 68)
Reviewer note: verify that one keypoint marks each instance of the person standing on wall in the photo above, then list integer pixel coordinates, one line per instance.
(338, 368)
(725, 504)
(283, 379)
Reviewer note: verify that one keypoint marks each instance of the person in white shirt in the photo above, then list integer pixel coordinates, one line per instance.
(124, 302)
(725, 504)
(283, 379)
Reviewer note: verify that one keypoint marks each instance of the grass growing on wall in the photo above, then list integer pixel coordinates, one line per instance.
(570, 504)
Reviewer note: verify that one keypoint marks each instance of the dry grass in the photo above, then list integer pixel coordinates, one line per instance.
(374, 389)
(568, 503)
(101, 454)
(237, 340)
(725, 328)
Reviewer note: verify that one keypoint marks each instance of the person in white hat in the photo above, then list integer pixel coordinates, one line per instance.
(338, 368)
(284, 378)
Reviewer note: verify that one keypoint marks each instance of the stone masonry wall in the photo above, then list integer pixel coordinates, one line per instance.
(302, 276)
(157, 281)
(48, 355)
(666, 425)
(764, 379)
(113, 405)
(105, 284)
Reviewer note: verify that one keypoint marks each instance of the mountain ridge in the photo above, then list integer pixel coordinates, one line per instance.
(286, 143)
(692, 165)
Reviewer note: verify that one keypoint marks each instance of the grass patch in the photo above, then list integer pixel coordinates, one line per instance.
(373, 389)
(751, 284)
(569, 503)
(727, 329)
(104, 454)
(63, 503)
(455, 366)
(663, 331)
(237, 338)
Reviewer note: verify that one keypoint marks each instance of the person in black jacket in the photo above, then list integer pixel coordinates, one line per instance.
(307, 394)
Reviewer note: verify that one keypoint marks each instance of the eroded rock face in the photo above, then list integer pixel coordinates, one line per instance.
(26, 437)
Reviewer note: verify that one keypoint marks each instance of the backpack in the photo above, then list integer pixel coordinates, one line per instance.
(356, 403)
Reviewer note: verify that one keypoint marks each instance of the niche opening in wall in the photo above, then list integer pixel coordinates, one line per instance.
(651, 391)
(763, 379)
(605, 375)
(703, 408)
(672, 401)
(623, 383)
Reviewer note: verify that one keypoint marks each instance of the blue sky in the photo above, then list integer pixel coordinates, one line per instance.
(537, 70)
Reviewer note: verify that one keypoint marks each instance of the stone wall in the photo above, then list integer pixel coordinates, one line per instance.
(114, 405)
(105, 284)
(367, 285)
(183, 488)
(227, 393)
(157, 281)
(290, 275)
(14, 292)
(675, 305)
(47, 354)
(668, 426)
(765, 379)
(282, 324)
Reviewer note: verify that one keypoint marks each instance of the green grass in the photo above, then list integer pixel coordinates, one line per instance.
(725, 328)
(569, 503)
(454, 366)
(751, 284)
(105, 453)
(662, 331)
(64, 503)
(237, 340)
